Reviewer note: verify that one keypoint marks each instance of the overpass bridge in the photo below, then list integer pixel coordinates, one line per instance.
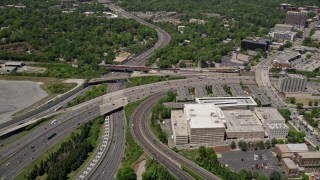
(106, 79)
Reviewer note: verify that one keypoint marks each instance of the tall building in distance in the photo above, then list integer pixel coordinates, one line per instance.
(254, 44)
(298, 19)
(292, 83)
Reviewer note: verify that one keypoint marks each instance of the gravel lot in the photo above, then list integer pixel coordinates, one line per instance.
(17, 95)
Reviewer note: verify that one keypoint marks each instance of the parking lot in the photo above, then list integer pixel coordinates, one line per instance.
(261, 161)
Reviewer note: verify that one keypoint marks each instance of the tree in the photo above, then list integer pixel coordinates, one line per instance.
(273, 142)
(299, 106)
(233, 145)
(309, 56)
(267, 144)
(217, 58)
(310, 103)
(127, 173)
(288, 44)
(275, 175)
(285, 113)
(292, 100)
(315, 103)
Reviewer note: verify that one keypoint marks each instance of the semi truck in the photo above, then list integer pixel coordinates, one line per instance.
(51, 136)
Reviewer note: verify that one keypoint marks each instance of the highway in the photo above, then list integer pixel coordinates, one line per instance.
(80, 113)
(110, 160)
(139, 128)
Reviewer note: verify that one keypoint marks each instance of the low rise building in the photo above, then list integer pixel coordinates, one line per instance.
(284, 35)
(308, 160)
(283, 27)
(179, 128)
(228, 102)
(277, 130)
(7, 69)
(291, 168)
(288, 150)
(284, 59)
(243, 124)
(254, 44)
(268, 115)
(308, 65)
(298, 19)
(14, 64)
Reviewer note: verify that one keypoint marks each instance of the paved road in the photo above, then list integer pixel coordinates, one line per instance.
(97, 107)
(109, 162)
(145, 138)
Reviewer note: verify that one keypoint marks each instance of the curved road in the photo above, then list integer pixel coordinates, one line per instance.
(142, 134)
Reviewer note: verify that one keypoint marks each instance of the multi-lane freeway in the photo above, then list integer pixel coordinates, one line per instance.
(16, 157)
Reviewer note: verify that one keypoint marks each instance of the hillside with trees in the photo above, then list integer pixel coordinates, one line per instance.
(69, 38)
(203, 43)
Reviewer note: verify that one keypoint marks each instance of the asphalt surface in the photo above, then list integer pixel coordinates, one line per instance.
(11, 155)
(110, 160)
(145, 138)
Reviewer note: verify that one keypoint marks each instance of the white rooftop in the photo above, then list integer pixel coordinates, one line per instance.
(267, 114)
(277, 126)
(227, 101)
(298, 147)
(179, 124)
(204, 116)
(242, 121)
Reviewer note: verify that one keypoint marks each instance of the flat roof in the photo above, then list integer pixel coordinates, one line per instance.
(289, 163)
(242, 121)
(298, 147)
(10, 68)
(309, 155)
(179, 125)
(227, 101)
(12, 63)
(277, 126)
(286, 56)
(256, 40)
(204, 116)
(308, 65)
(268, 114)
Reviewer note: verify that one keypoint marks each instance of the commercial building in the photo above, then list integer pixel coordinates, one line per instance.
(268, 115)
(243, 124)
(254, 44)
(308, 65)
(284, 59)
(179, 128)
(288, 150)
(284, 35)
(277, 130)
(228, 102)
(288, 7)
(298, 19)
(291, 168)
(282, 27)
(292, 83)
(205, 123)
(310, 161)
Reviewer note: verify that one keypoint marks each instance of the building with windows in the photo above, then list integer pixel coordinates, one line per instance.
(298, 19)
(205, 123)
(254, 44)
(291, 168)
(284, 59)
(292, 83)
(277, 130)
(243, 124)
(310, 161)
(283, 35)
(288, 150)
(268, 115)
(179, 128)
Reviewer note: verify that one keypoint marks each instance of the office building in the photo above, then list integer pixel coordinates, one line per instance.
(179, 128)
(291, 168)
(288, 150)
(284, 59)
(254, 44)
(243, 124)
(292, 83)
(298, 19)
(283, 27)
(284, 35)
(310, 161)
(241, 102)
(277, 130)
(205, 123)
(268, 115)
